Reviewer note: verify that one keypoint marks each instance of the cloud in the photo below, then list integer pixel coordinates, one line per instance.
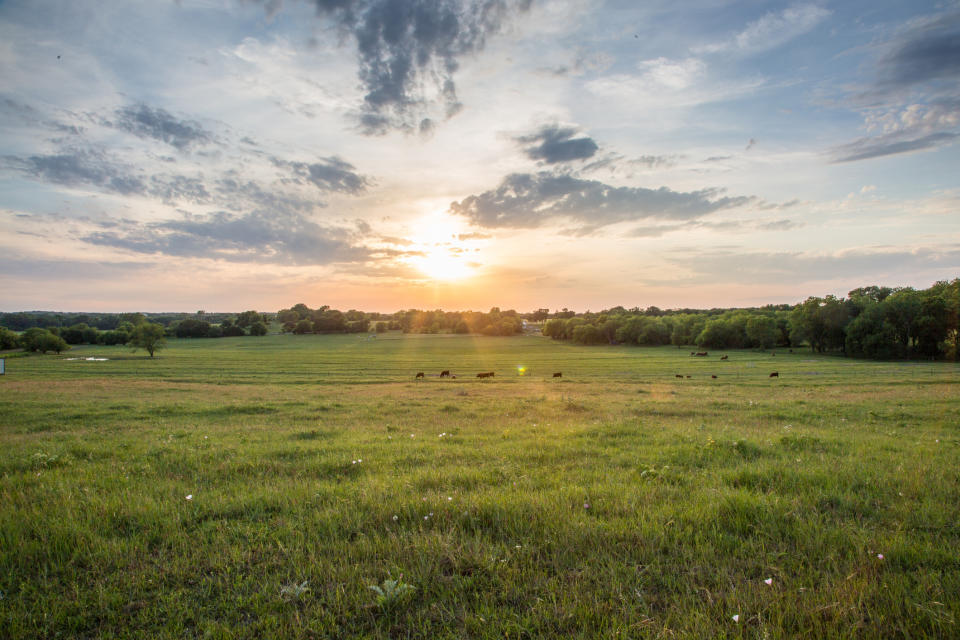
(329, 174)
(655, 231)
(772, 30)
(553, 144)
(926, 52)
(258, 236)
(147, 122)
(866, 264)
(78, 168)
(866, 148)
(409, 52)
(526, 200)
(914, 102)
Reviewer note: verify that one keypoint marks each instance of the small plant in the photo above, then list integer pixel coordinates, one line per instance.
(294, 591)
(391, 592)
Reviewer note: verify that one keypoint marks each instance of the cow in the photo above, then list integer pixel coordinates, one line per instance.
(680, 376)
(558, 374)
(488, 374)
(419, 375)
(693, 353)
(444, 374)
(775, 374)
(724, 357)
(714, 377)
(701, 353)
(689, 376)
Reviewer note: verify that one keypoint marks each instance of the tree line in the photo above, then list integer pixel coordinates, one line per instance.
(871, 322)
(133, 329)
(301, 319)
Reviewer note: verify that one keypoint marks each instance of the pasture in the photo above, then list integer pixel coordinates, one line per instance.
(257, 488)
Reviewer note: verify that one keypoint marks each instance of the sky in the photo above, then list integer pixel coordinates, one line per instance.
(463, 154)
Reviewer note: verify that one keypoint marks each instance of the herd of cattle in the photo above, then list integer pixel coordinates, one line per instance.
(485, 374)
(489, 374)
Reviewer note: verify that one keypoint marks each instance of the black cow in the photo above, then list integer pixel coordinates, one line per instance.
(680, 376)
(775, 374)
(724, 357)
(444, 374)
(488, 374)
(419, 375)
(558, 374)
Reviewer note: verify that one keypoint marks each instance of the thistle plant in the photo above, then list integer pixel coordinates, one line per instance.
(391, 592)
(294, 591)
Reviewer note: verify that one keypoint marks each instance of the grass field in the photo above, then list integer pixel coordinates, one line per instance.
(257, 488)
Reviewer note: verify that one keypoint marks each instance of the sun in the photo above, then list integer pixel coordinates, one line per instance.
(442, 264)
(440, 250)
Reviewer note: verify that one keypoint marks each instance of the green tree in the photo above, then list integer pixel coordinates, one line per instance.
(8, 339)
(149, 336)
(258, 328)
(762, 331)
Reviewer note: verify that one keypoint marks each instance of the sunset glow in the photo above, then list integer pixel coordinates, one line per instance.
(579, 153)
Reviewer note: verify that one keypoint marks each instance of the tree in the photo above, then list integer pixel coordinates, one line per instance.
(258, 328)
(42, 340)
(762, 331)
(149, 336)
(8, 339)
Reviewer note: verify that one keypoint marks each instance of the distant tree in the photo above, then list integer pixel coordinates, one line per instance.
(133, 318)
(149, 336)
(247, 318)
(304, 326)
(461, 327)
(8, 339)
(540, 315)
(762, 331)
(381, 327)
(258, 328)
(42, 340)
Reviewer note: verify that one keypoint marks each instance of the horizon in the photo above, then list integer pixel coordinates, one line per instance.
(459, 154)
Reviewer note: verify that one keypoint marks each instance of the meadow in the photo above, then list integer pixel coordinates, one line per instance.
(258, 488)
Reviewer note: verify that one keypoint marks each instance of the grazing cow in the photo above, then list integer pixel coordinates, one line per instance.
(775, 374)
(700, 353)
(689, 376)
(488, 374)
(558, 374)
(444, 374)
(419, 375)
(724, 357)
(680, 376)
(714, 377)
(454, 376)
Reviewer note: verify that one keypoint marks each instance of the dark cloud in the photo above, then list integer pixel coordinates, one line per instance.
(528, 200)
(81, 167)
(914, 102)
(146, 122)
(254, 237)
(553, 144)
(404, 45)
(866, 148)
(926, 52)
(329, 174)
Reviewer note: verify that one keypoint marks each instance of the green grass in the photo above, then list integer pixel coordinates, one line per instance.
(616, 501)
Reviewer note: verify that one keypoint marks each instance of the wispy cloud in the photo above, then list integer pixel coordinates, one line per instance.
(773, 29)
